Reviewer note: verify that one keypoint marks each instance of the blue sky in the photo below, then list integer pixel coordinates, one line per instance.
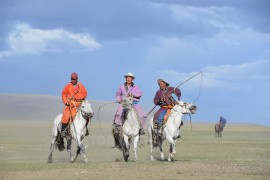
(43, 42)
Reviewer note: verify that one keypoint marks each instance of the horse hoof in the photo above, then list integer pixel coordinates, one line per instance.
(49, 161)
(152, 159)
(170, 159)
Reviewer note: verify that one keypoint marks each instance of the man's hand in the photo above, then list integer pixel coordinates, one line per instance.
(119, 101)
(67, 103)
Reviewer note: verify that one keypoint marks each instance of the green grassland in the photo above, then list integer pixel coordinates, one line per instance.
(242, 153)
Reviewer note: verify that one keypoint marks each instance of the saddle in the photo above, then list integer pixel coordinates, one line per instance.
(166, 117)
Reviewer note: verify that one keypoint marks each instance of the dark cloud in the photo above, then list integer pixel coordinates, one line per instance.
(106, 20)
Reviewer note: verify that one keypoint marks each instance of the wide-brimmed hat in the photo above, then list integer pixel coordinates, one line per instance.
(129, 75)
(162, 80)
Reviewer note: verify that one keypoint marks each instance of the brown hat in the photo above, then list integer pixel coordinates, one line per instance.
(162, 80)
(74, 76)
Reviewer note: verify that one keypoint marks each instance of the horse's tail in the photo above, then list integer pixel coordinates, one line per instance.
(60, 142)
(117, 131)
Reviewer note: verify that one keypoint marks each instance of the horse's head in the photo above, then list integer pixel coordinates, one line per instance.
(127, 102)
(86, 109)
(186, 108)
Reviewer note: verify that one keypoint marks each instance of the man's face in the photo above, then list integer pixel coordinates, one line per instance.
(162, 85)
(129, 79)
(74, 81)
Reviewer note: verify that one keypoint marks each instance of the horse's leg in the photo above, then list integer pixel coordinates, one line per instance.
(170, 157)
(79, 151)
(76, 155)
(126, 141)
(135, 144)
(151, 143)
(125, 147)
(174, 148)
(85, 159)
(51, 151)
(161, 150)
(80, 147)
(53, 143)
(172, 144)
(69, 141)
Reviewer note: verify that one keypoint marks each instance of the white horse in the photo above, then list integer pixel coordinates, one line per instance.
(171, 130)
(77, 131)
(130, 129)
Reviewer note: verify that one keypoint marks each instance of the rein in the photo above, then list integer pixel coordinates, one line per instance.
(100, 109)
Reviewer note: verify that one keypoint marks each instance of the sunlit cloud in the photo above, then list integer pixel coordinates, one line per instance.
(26, 40)
(227, 77)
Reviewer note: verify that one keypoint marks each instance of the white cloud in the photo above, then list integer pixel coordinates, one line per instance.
(229, 77)
(25, 39)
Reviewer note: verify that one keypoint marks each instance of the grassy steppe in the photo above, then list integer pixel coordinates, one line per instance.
(242, 153)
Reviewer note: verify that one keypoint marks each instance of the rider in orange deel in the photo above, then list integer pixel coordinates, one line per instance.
(72, 96)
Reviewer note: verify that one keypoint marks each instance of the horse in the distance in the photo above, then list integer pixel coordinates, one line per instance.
(219, 127)
(130, 129)
(77, 132)
(170, 130)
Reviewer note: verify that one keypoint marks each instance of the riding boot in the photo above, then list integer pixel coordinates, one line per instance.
(141, 131)
(64, 130)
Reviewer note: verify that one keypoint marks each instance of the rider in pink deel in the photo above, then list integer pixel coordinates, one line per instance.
(129, 88)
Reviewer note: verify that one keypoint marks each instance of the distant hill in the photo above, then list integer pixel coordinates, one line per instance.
(45, 107)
